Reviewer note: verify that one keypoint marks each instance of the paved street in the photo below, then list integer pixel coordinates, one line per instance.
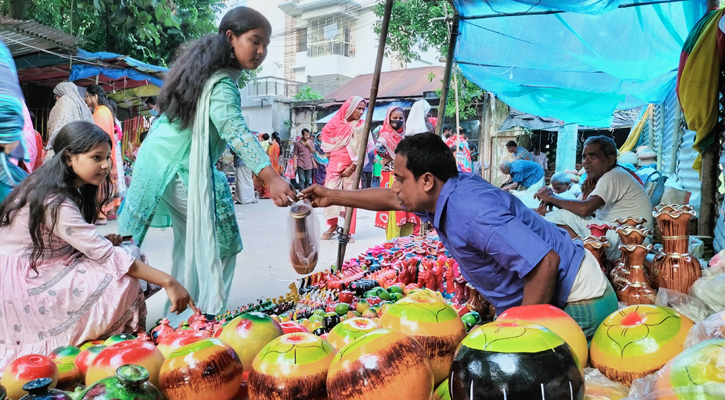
(263, 267)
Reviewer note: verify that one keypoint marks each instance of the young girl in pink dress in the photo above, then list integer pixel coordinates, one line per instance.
(61, 283)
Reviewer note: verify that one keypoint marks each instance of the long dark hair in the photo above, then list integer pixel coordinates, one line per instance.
(199, 60)
(51, 184)
(102, 99)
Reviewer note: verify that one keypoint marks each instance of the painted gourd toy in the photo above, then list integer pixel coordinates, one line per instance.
(694, 373)
(515, 360)
(135, 352)
(392, 363)
(207, 369)
(39, 389)
(69, 375)
(176, 340)
(86, 357)
(91, 343)
(434, 324)
(248, 334)
(291, 367)
(442, 392)
(637, 341)
(293, 327)
(25, 369)
(555, 320)
(122, 337)
(129, 383)
(349, 330)
(65, 353)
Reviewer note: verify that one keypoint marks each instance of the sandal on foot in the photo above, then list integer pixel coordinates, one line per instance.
(327, 235)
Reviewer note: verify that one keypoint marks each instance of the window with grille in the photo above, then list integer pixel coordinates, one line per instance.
(302, 39)
(330, 35)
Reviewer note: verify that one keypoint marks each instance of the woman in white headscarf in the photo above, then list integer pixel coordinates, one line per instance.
(418, 119)
(69, 106)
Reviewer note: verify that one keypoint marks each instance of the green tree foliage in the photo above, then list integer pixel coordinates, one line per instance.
(414, 28)
(307, 93)
(148, 30)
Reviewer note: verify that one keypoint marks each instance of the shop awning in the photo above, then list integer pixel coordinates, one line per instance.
(574, 61)
(378, 114)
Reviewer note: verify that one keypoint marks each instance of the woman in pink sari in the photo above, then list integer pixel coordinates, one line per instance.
(395, 223)
(342, 138)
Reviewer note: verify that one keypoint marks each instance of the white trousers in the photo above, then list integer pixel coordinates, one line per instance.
(244, 191)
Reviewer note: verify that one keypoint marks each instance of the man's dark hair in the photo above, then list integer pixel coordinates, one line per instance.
(305, 130)
(511, 143)
(447, 127)
(606, 144)
(150, 100)
(426, 152)
(462, 130)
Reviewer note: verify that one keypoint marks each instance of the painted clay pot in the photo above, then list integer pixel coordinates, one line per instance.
(596, 246)
(291, 367)
(134, 352)
(25, 369)
(169, 343)
(248, 334)
(69, 375)
(3, 393)
(391, 362)
(65, 353)
(293, 327)
(91, 343)
(207, 369)
(637, 341)
(163, 329)
(86, 357)
(672, 208)
(122, 337)
(631, 221)
(434, 324)
(555, 320)
(637, 289)
(692, 371)
(349, 330)
(515, 360)
(675, 268)
(599, 229)
(442, 392)
(39, 389)
(629, 234)
(129, 383)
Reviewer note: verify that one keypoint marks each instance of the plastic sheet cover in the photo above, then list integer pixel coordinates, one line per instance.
(579, 66)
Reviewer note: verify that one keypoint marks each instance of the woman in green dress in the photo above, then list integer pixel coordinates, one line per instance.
(174, 180)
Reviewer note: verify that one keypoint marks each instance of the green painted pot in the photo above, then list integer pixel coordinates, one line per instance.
(130, 383)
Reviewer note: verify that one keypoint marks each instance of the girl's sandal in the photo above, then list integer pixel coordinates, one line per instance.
(327, 235)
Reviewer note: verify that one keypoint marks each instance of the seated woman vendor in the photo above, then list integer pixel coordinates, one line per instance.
(509, 253)
(61, 283)
(609, 192)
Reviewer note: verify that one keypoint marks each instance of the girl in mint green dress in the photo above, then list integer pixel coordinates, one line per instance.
(174, 180)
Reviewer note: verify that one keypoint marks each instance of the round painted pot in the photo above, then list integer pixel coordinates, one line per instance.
(69, 375)
(442, 392)
(637, 341)
(207, 369)
(129, 383)
(349, 330)
(515, 360)
(65, 353)
(248, 334)
(122, 337)
(293, 327)
(25, 369)
(555, 320)
(392, 364)
(693, 373)
(135, 352)
(176, 340)
(86, 357)
(91, 343)
(39, 389)
(292, 367)
(434, 324)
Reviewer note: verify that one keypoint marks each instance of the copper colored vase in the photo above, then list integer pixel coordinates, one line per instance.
(674, 268)
(596, 246)
(631, 221)
(636, 290)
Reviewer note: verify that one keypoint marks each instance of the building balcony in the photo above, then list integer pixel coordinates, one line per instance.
(272, 86)
(344, 49)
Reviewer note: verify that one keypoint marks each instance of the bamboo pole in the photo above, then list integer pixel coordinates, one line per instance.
(447, 74)
(458, 120)
(344, 235)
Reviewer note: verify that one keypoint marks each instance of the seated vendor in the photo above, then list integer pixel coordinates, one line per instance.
(609, 192)
(562, 185)
(505, 250)
(525, 175)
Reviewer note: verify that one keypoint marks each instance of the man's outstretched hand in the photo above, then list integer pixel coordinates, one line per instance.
(317, 195)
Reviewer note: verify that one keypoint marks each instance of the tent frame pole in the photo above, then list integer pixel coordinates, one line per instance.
(443, 101)
(344, 234)
(521, 14)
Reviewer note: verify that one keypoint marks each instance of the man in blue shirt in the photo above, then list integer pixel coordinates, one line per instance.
(524, 174)
(509, 253)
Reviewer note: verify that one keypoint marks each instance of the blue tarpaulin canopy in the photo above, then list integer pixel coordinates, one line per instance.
(139, 71)
(378, 114)
(577, 66)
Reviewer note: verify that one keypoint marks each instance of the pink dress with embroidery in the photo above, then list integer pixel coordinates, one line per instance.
(82, 293)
